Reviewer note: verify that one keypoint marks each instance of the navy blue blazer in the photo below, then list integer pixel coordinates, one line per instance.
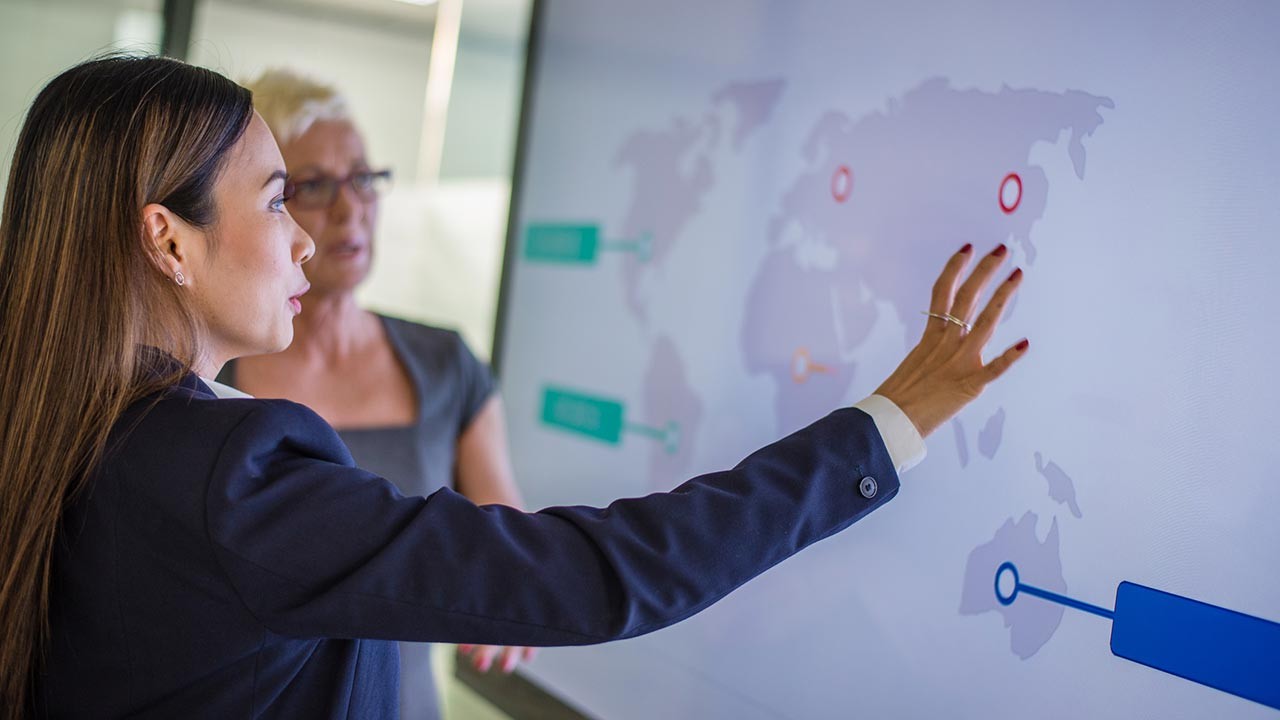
(227, 560)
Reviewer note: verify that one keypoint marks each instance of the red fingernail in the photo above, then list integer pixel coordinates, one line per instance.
(1022, 346)
(968, 248)
(1016, 274)
(1000, 251)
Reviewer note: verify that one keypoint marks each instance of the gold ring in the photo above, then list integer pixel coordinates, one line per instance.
(949, 318)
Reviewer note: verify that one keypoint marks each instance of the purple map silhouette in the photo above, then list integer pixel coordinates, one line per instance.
(991, 434)
(754, 103)
(670, 402)
(1062, 488)
(924, 177)
(1031, 621)
(672, 173)
(962, 442)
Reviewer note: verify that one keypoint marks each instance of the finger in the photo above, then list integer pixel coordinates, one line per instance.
(483, 657)
(944, 288)
(510, 658)
(530, 653)
(967, 297)
(466, 649)
(997, 367)
(986, 324)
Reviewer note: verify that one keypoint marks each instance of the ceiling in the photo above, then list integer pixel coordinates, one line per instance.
(496, 18)
(502, 20)
(386, 15)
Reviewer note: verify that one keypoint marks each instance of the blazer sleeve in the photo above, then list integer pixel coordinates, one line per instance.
(315, 547)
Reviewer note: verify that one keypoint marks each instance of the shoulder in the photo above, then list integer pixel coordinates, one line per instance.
(435, 348)
(211, 430)
(421, 334)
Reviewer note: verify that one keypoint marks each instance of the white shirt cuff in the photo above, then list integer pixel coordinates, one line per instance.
(906, 446)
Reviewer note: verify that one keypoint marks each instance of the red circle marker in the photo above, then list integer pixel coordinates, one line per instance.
(1010, 193)
(842, 183)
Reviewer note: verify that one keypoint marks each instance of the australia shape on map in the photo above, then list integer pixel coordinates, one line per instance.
(1031, 621)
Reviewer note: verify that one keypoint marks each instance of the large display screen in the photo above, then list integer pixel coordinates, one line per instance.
(729, 215)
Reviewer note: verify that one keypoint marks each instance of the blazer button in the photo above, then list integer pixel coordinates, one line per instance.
(868, 487)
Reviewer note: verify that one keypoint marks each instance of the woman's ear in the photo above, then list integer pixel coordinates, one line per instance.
(162, 239)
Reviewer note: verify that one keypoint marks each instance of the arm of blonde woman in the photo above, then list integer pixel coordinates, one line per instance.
(484, 477)
(483, 473)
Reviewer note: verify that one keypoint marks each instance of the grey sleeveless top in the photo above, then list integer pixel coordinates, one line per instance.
(452, 386)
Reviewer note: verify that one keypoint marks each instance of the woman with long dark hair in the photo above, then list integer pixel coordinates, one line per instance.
(167, 553)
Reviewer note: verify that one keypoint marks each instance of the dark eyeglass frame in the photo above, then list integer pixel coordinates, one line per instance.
(298, 193)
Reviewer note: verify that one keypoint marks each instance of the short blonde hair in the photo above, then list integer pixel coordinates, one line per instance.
(291, 103)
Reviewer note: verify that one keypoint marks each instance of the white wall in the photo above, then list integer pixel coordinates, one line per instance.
(383, 74)
(484, 107)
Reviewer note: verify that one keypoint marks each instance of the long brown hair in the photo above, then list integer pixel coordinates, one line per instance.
(80, 301)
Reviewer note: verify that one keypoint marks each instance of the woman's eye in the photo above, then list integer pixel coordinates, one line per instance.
(308, 189)
(277, 205)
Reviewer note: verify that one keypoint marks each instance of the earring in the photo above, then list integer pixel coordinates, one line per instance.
(179, 278)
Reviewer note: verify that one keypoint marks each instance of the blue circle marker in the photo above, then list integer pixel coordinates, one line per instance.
(1021, 587)
(1017, 584)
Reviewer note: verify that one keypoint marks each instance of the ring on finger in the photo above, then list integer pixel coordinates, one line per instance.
(949, 318)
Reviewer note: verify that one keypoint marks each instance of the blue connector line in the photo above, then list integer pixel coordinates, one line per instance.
(1206, 644)
(1019, 587)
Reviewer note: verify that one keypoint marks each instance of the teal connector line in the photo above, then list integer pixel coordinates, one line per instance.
(668, 435)
(641, 246)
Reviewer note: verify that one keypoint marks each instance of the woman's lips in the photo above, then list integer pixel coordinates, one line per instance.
(346, 249)
(295, 302)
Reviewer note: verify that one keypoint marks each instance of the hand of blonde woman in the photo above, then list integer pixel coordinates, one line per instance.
(483, 656)
(945, 370)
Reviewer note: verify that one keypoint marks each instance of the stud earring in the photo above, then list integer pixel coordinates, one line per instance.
(179, 278)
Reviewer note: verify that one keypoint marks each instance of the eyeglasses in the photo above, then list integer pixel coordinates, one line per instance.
(320, 192)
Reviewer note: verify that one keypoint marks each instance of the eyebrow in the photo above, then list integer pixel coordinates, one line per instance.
(277, 175)
(313, 169)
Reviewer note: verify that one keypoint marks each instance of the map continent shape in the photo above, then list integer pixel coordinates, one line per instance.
(1031, 621)
(1062, 489)
(672, 173)
(671, 403)
(926, 177)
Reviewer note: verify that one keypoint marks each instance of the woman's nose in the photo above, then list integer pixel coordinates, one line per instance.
(346, 204)
(304, 246)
